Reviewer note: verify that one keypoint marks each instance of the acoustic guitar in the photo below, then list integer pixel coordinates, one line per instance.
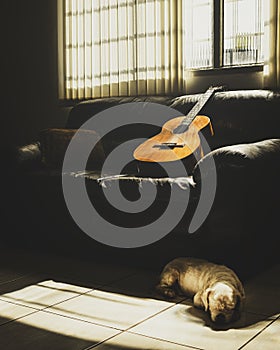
(179, 138)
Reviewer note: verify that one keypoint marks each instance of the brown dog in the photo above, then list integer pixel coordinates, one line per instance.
(215, 288)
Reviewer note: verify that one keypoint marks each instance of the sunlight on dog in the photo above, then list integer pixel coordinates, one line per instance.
(214, 288)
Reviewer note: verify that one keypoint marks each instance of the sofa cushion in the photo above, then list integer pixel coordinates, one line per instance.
(80, 113)
(236, 116)
(257, 158)
(54, 143)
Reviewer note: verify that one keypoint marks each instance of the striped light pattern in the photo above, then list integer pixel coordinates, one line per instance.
(121, 47)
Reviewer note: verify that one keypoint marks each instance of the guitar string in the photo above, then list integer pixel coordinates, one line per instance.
(194, 111)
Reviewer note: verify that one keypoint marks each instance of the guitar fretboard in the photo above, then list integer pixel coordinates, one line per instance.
(195, 110)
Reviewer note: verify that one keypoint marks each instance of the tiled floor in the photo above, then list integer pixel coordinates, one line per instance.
(51, 303)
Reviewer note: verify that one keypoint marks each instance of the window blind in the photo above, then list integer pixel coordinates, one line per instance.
(121, 47)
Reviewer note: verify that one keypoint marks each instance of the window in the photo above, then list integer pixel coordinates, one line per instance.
(199, 25)
(223, 33)
(139, 47)
(120, 47)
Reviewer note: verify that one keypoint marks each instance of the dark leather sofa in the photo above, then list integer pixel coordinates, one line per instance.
(242, 227)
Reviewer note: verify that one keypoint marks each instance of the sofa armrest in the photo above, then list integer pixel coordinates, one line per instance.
(255, 158)
(26, 157)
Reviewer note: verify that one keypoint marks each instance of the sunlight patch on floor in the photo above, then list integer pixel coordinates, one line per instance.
(69, 303)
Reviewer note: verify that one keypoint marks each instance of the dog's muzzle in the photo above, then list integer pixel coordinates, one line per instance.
(220, 318)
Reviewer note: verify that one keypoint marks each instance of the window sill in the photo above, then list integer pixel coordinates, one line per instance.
(227, 70)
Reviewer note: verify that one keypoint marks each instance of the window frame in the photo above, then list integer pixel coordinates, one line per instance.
(218, 33)
(218, 46)
(199, 76)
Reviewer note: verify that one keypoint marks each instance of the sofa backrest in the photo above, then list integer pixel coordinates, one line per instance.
(237, 116)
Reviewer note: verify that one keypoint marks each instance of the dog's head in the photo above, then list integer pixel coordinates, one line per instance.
(223, 302)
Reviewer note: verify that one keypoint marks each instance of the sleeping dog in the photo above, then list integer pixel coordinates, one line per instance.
(214, 288)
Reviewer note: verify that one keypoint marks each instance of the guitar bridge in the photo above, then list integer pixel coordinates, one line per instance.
(168, 145)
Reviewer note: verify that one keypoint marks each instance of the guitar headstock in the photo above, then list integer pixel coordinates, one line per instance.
(217, 88)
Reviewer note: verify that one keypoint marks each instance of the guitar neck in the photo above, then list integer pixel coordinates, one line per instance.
(196, 109)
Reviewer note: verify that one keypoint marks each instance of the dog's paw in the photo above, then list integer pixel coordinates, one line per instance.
(169, 293)
(166, 291)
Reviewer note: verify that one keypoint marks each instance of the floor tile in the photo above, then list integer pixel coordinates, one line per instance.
(9, 311)
(17, 260)
(89, 274)
(39, 293)
(7, 275)
(141, 284)
(110, 309)
(20, 283)
(130, 341)
(270, 276)
(269, 339)
(86, 305)
(262, 293)
(186, 325)
(68, 270)
(47, 331)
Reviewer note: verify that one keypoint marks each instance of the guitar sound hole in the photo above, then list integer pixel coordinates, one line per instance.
(168, 145)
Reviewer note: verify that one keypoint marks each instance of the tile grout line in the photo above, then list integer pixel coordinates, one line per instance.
(85, 321)
(121, 331)
(73, 297)
(54, 313)
(60, 302)
(15, 279)
(106, 326)
(108, 284)
(46, 307)
(145, 336)
(256, 335)
(19, 318)
(157, 313)
(263, 315)
(45, 310)
(127, 330)
(102, 341)
(84, 293)
(100, 324)
(165, 340)
(19, 304)
(168, 341)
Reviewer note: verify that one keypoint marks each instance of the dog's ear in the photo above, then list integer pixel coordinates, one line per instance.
(242, 293)
(238, 308)
(205, 298)
(240, 288)
(239, 302)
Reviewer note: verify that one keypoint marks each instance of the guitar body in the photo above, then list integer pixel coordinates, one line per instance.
(168, 146)
(179, 139)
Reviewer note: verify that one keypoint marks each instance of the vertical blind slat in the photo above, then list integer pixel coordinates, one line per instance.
(129, 47)
(118, 47)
